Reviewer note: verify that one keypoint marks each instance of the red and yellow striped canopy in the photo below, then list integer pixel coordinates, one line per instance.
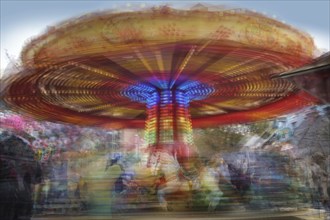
(77, 71)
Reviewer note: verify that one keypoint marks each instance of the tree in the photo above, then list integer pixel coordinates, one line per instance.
(226, 138)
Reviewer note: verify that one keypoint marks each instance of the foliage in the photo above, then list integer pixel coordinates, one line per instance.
(212, 140)
(258, 128)
(226, 138)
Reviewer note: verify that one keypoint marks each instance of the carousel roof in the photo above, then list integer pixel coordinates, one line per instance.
(81, 70)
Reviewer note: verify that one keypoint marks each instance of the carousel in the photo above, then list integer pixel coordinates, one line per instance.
(165, 70)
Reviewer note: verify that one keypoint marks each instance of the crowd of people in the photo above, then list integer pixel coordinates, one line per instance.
(46, 162)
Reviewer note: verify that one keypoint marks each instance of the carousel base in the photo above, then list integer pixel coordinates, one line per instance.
(239, 214)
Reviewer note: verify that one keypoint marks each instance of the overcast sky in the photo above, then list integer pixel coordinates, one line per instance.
(22, 20)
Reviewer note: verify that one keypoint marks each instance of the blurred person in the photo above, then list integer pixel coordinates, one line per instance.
(45, 190)
(222, 167)
(318, 183)
(25, 203)
(82, 193)
(8, 189)
(73, 183)
(114, 171)
(182, 179)
(209, 178)
(114, 158)
(239, 180)
(224, 171)
(159, 182)
(126, 183)
(19, 172)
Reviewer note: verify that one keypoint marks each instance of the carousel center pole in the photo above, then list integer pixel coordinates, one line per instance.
(168, 126)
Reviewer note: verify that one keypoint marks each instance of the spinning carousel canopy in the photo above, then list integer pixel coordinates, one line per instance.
(111, 69)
